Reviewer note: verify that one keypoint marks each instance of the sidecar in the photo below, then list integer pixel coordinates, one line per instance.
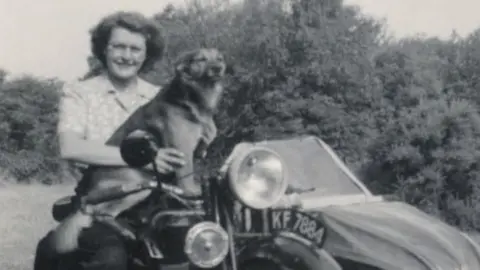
(334, 222)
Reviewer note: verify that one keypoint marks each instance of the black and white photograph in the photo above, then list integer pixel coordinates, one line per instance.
(240, 135)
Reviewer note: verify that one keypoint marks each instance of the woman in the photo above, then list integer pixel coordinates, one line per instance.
(126, 43)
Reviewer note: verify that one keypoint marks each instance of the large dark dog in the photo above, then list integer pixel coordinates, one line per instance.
(179, 116)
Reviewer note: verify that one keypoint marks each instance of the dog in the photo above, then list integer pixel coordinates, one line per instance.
(179, 116)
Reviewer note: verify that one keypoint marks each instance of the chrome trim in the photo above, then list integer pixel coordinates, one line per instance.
(310, 203)
(192, 235)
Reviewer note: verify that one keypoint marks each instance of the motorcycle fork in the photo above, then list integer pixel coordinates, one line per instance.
(224, 216)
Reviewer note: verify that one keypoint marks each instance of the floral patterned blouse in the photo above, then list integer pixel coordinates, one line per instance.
(95, 109)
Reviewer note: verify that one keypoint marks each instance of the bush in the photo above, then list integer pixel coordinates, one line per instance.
(28, 117)
(430, 158)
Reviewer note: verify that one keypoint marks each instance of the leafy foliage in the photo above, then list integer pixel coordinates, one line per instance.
(28, 112)
(403, 114)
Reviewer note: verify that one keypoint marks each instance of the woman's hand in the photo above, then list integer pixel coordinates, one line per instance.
(168, 160)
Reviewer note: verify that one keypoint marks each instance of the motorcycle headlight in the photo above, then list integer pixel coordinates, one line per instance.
(257, 177)
(206, 244)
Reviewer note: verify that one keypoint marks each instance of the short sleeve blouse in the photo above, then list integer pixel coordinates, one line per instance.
(95, 109)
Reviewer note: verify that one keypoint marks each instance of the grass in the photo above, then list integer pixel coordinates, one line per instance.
(24, 218)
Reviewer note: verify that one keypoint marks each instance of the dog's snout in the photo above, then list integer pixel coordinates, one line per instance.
(216, 69)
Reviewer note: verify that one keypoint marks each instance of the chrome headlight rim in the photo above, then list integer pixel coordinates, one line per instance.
(234, 169)
(191, 236)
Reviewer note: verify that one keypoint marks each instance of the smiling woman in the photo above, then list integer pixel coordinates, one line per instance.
(126, 43)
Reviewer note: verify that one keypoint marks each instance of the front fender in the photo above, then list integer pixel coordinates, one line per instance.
(289, 253)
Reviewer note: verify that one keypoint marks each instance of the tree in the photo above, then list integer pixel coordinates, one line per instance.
(28, 113)
(3, 76)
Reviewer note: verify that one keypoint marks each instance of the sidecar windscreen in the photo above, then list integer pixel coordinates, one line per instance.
(311, 164)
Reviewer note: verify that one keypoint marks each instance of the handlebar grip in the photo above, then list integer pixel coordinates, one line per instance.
(113, 193)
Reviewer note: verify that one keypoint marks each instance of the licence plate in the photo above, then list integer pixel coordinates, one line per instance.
(298, 223)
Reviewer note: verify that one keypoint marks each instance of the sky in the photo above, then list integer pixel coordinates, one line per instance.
(49, 38)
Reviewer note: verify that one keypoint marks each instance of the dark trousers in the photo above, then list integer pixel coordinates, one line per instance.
(100, 248)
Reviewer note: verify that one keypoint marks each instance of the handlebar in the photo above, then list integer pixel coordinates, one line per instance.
(117, 192)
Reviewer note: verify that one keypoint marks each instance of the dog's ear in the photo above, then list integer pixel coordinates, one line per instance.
(182, 62)
(180, 66)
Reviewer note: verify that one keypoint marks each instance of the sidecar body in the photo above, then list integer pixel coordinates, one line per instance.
(339, 224)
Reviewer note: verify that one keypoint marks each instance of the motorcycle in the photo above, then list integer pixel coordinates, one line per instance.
(176, 232)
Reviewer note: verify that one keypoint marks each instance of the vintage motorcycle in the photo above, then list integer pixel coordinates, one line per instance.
(175, 232)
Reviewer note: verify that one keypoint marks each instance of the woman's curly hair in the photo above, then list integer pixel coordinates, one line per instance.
(135, 22)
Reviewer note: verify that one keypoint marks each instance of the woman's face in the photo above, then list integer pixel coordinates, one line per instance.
(125, 53)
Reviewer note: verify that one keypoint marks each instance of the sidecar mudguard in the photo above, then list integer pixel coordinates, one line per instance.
(287, 253)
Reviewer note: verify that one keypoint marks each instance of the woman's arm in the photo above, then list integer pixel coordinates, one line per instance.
(72, 127)
(73, 147)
